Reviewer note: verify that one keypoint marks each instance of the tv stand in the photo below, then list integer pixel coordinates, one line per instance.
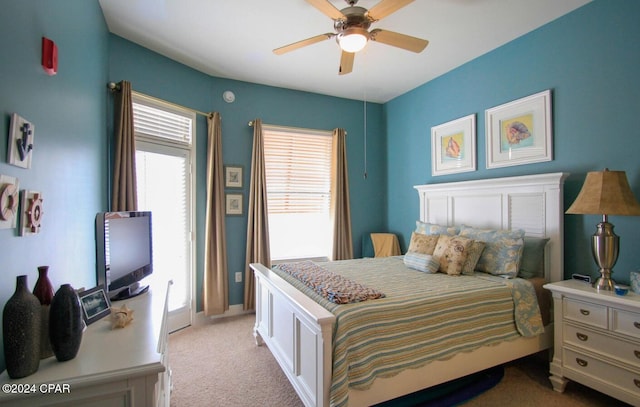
(129, 292)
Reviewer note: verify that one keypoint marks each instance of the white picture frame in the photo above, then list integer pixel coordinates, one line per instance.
(453, 146)
(234, 204)
(233, 176)
(520, 132)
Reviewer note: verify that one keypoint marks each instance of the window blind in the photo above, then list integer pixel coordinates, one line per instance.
(161, 123)
(298, 171)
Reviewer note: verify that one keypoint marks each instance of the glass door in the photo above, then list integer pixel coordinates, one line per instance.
(164, 188)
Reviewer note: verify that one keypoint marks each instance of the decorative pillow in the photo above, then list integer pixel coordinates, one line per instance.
(433, 229)
(474, 252)
(451, 252)
(421, 262)
(421, 243)
(502, 252)
(532, 262)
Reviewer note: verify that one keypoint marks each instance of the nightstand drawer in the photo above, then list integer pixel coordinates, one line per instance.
(585, 312)
(613, 375)
(625, 322)
(596, 342)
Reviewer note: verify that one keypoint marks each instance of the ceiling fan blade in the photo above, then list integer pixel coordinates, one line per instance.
(395, 39)
(346, 62)
(386, 7)
(327, 8)
(303, 43)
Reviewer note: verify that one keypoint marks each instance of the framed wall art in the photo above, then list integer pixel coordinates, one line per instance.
(21, 136)
(233, 204)
(233, 176)
(31, 204)
(519, 132)
(453, 146)
(9, 200)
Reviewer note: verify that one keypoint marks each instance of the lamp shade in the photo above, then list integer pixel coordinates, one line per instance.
(605, 193)
(353, 39)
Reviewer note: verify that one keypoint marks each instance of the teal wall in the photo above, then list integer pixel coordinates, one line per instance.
(155, 75)
(589, 59)
(68, 111)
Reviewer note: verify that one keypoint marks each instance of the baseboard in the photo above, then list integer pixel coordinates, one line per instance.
(234, 310)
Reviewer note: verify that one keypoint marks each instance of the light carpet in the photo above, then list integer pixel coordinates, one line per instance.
(219, 365)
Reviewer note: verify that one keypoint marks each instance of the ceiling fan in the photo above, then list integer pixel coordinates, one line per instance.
(352, 30)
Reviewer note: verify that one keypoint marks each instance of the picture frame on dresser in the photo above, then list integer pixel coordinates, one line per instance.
(519, 132)
(453, 146)
(95, 304)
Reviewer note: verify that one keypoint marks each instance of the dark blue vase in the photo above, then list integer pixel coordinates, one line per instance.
(21, 324)
(65, 323)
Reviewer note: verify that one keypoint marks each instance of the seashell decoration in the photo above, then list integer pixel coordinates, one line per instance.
(121, 317)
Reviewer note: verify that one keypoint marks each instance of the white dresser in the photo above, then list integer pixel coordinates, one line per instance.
(119, 367)
(596, 340)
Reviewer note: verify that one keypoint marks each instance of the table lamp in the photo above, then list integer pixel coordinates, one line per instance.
(605, 193)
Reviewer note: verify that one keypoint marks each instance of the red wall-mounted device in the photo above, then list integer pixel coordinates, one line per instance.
(49, 56)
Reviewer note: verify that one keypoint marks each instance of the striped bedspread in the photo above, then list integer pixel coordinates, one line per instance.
(423, 317)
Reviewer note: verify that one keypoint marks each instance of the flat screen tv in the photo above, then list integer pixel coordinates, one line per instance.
(124, 252)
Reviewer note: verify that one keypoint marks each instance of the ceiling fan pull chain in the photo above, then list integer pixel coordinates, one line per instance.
(365, 118)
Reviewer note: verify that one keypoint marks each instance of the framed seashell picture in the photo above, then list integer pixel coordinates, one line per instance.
(453, 146)
(520, 132)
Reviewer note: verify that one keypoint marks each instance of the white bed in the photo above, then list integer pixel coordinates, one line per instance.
(298, 331)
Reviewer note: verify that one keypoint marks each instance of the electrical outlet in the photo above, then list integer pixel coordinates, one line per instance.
(239, 277)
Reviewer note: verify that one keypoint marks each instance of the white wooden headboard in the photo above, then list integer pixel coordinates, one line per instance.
(531, 202)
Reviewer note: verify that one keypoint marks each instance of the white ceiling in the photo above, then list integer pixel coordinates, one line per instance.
(234, 39)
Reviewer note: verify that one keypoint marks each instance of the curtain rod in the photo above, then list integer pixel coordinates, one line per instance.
(299, 129)
(114, 87)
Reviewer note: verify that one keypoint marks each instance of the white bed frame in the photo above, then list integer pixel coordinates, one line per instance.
(298, 331)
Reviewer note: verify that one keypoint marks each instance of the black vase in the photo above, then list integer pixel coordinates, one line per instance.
(21, 324)
(43, 290)
(65, 323)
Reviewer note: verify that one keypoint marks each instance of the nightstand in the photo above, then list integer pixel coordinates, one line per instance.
(596, 340)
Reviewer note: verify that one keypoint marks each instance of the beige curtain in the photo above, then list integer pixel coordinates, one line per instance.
(258, 219)
(124, 168)
(216, 278)
(340, 212)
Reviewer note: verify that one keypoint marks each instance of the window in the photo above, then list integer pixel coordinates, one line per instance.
(298, 167)
(164, 151)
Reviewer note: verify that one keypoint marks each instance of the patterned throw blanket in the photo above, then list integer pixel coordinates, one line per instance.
(332, 286)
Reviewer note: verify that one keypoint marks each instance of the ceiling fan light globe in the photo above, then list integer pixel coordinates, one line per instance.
(353, 41)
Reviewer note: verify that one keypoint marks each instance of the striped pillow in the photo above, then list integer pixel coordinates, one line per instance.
(421, 262)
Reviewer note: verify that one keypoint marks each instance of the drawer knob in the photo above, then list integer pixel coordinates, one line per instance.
(637, 353)
(636, 324)
(637, 382)
(582, 362)
(587, 312)
(583, 337)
